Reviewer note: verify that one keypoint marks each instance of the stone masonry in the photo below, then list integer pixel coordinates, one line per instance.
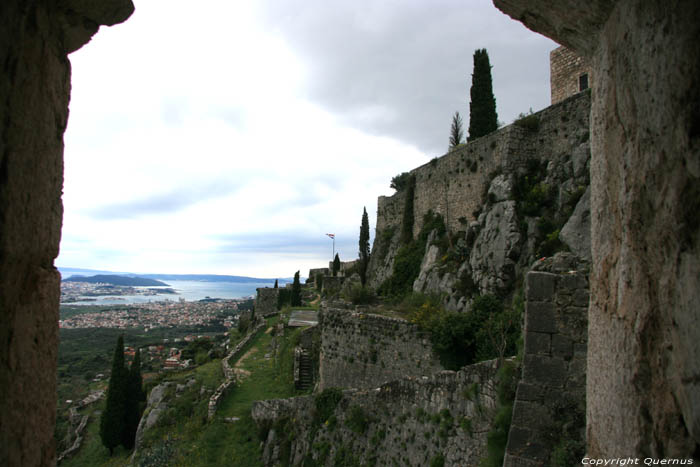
(266, 301)
(410, 422)
(570, 73)
(553, 383)
(363, 350)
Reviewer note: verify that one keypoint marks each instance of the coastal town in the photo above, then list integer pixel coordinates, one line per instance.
(157, 315)
(72, 292)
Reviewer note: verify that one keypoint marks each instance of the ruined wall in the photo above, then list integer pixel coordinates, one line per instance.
(566, 68)
(266, 301)
(410, 422)
(362, 350)
(35, 38)
(550, 400)
(643, 394)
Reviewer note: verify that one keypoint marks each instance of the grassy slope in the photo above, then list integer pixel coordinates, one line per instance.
(188, 440)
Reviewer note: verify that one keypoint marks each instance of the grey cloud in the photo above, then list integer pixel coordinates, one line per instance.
(366, 57)
(171, 201)
(289, 242)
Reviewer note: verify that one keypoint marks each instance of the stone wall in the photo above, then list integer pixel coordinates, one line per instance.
(36, 37)
(566, 68)
(551, 391)
(266, 301)
(410, 421)
(643, 388)
(363, 350)
(456, 184)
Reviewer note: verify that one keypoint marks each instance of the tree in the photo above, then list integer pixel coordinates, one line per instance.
(276, 284)
(364, 246)
(296, 291)
(400, 181)
(456, 134)
(336, 265)
(113, 418)
(135, 400)
(482, 108)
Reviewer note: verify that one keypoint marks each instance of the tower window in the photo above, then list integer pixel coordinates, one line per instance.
(583, 82)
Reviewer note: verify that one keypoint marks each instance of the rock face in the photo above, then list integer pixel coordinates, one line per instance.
(643, 394)
(35, 37)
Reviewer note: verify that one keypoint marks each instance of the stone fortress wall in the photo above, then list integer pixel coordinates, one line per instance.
(363, 350)
(454, 185)
(552, 389)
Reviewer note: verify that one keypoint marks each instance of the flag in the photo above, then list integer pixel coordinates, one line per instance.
(331, 235)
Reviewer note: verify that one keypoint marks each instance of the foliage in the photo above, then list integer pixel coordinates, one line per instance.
(409, 257)
(408, 214)
(284, 298)
(568, 433)
(325, 403)
(114, 415)
(295, 299)
(276, 284)
(336, 266)
(357, 420)
(360, 295)
(497, 437)
(456, 133)
(529, 121)
(482, 107)
(437, 461)
(319, 281)
(197, 346)
(364, 247)
(135, 401)
(399, 182)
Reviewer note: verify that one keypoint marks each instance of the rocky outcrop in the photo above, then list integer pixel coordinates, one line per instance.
(643, 390)
(35, 38)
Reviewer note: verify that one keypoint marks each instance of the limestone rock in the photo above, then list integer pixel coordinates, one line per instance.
(576, 233)
(496, 248)
(501, 188)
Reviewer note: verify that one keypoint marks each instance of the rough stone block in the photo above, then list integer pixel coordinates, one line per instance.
(528, 392)
(581, 297)
(562, 347)
(548, 371)
(540, 286)
(539, 317)
(538, 343)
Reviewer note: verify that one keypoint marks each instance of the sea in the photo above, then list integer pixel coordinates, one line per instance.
(188, 290)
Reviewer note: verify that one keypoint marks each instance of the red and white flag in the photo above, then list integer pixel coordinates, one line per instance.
(331, 235)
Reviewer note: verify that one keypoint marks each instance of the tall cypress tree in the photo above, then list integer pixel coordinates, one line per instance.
(113, 418)
(296, 291)
(336, 265)
(456, 134)
(276, 284)
(364, 246)
(482, 108)
(135, 399)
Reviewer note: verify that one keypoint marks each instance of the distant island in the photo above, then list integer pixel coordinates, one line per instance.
(117, 280)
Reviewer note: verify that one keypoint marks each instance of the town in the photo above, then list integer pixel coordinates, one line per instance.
(158, 315)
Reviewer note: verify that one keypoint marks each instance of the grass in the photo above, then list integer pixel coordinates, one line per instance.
(186, 438)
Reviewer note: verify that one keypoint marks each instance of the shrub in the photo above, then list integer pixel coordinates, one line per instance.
(360, 295)
(399, 182)
(326, 402)
(529, 121)
(357, 420)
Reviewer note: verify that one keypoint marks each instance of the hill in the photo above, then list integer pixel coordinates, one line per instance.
(117, 280)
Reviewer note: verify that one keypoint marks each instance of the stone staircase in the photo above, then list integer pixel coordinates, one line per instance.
(303, 369)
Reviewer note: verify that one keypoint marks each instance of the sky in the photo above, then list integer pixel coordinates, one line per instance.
(231, 137)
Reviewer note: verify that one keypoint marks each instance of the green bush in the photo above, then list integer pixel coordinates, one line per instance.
(529, 121)
(325, 403)
(437, 461)
(497, 437)
(357, 420)
(399, 182)
(360, 295)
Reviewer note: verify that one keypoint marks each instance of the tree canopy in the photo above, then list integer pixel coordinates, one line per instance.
(364, 246)
(296, 291)
(483, 118)
(456, 133)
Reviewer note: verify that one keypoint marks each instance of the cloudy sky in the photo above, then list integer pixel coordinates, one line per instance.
(230, 137)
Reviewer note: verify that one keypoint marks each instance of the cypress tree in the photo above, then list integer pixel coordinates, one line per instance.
(276, 284)
(296, 291)
(336, 265)
(482, 108)
(456, 134)
(135, 399)
(113, 417)
(364, 246)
